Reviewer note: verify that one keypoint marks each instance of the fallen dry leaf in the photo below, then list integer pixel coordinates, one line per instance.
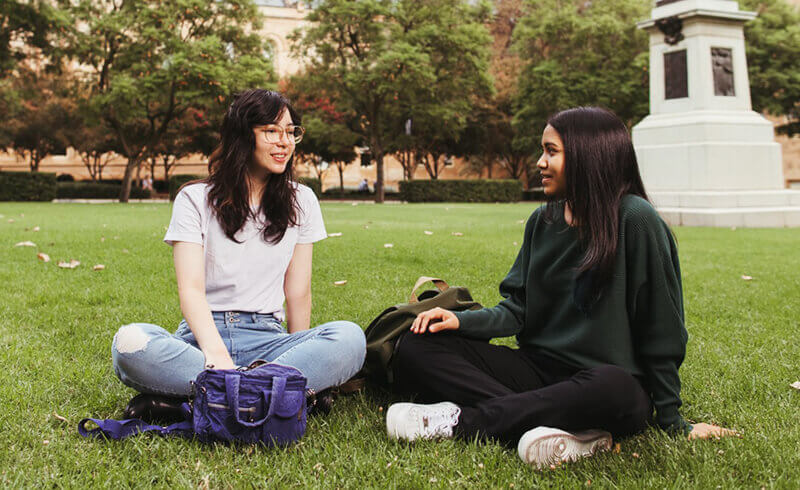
(45, 442)
(388, 245)
(36, 228)
(366, 227)
(11, 220)
(331, 235)
(617, 448)
(355, 204)
(43, 257)
(125, 251)
(747, 278)
(635, 455)
(69, 265)
(25, 244)
(457, 233)
(795, 385)
(98, 267)
(59, 417)
(515, 244)
(519, 222)
(428, 232)
(339, 283)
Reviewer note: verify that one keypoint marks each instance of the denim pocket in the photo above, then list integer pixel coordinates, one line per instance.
(266, 324)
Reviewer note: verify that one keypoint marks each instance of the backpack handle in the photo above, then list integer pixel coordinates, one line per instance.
(275, 395)
(439, 283)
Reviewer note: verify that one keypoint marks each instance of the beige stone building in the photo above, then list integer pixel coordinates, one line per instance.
(281, 18)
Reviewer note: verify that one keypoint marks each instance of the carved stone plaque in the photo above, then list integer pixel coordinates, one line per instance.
(676, 83)
(722, 66)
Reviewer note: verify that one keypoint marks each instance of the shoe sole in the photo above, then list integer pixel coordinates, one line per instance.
(559, 447)
(391, 421)
(391, 427)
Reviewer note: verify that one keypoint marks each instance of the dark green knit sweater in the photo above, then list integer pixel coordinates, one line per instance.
(637, 324)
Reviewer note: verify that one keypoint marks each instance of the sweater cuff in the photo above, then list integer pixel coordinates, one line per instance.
(471, 325)
(670, 420)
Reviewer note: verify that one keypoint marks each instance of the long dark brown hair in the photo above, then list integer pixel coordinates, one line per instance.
(600, 168)
(229, 190)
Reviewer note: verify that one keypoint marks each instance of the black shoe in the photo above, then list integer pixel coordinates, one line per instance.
(320, 403)
(155, 408)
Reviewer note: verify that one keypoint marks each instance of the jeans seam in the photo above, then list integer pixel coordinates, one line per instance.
(317, 333)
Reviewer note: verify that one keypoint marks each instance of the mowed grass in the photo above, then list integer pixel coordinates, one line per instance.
(57, 325)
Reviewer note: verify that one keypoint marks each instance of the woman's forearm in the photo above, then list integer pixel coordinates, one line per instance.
(197, 313)
(298, 313)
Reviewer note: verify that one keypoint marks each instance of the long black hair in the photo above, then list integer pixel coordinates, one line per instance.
(229, 191)
(600, 168)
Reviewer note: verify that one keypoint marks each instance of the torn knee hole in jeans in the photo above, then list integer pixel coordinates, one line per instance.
(131, 338)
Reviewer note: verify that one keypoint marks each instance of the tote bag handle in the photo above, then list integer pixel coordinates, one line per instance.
(439, 283)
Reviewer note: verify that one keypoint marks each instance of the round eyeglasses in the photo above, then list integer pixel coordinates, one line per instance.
(273, 133)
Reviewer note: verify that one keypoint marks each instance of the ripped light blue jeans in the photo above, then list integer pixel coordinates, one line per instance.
(151, 360)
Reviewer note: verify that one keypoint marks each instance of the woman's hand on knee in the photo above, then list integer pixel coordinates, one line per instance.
(221, 360)
(707, 431)
(435, 320)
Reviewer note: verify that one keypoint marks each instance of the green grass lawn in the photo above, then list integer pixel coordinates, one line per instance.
(57, 325)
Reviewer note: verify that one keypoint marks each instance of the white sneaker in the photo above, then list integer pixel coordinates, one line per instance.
(412, 421)
(544, 446)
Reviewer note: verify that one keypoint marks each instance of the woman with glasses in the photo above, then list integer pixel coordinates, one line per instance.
(242, 243)
(595, 301)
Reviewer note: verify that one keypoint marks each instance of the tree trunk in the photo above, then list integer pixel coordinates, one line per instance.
(35, 159)
(125, 192)
(489, 165)
(377, 155)
(167, 168)
(340, 166)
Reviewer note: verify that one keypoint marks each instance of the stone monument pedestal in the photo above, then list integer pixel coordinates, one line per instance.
(706, 158)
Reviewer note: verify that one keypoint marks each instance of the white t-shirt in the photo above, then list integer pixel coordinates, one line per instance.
(246, 276)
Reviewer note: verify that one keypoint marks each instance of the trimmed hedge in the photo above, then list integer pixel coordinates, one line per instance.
(27, 186)
(534, 195)
(461, 190)
(96, 190)
(314, 183)
(354, 195)
(177, 181)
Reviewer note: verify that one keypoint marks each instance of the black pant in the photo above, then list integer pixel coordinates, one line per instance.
(505, 392)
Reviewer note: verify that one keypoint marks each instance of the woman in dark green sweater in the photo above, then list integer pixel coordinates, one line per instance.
(594, 299)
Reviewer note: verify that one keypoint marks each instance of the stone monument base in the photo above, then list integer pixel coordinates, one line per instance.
(747, 209)
(708, 151)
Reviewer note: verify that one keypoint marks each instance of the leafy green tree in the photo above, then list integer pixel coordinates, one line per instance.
(489, 136)
(329, 122)
(41, 106)
(772, 43)
(580, 53)
(152, 61)
(331, 142)
(376, 53)
(192, 133)
(93, 141)
(26, 29)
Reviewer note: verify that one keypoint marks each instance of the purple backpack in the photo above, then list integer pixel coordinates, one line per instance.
(263, 403)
